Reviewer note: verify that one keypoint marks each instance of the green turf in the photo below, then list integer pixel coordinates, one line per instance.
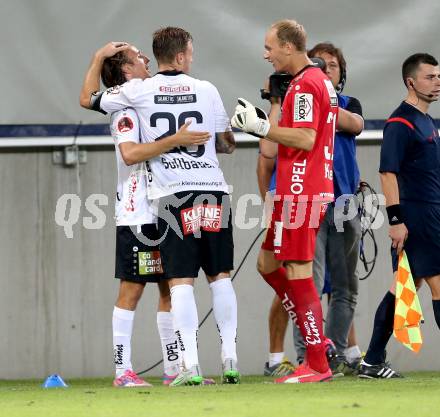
(416, 395)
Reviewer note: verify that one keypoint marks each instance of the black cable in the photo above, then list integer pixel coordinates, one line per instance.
(367, 219)
(210, 310)
(76, 134)
(372, 262)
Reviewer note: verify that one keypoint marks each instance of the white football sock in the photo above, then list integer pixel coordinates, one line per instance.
(170, 351)
(122, 330)
(185, 322)
(224, 305)
(275, 358)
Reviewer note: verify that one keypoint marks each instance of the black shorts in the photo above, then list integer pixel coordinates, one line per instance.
(137, 254)
(423, 244)
(196, 228)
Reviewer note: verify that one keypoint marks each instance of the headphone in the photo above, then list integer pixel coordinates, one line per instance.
(342, 80)
(411, 83)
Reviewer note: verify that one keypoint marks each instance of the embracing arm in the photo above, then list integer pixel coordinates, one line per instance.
(224, 142)
(133, 153)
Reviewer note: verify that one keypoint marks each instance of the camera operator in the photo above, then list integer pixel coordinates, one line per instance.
(346, 178)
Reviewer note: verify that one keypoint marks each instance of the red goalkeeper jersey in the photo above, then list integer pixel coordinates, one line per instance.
(311, 102)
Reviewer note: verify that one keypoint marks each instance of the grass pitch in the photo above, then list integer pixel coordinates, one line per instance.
(415, 396)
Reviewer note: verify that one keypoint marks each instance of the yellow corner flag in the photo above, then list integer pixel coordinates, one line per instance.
(408, 312)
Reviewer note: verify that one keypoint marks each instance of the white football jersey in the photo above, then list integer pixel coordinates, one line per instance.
(163, 103)
(131, 205)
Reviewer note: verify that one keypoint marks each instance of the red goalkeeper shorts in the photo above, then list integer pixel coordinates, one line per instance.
(293, 229)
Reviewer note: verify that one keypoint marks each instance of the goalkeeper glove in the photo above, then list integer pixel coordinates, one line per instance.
(251, 119)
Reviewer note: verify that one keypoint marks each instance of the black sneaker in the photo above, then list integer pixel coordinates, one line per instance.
(337, 363)
(382, 370)
(339, 366)
(355, 365)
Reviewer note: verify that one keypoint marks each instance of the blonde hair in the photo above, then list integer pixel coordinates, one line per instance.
(289, 30)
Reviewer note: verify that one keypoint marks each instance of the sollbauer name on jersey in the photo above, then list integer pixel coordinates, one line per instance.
(180, 163)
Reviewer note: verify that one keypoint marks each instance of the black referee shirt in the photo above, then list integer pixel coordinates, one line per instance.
(411, 150)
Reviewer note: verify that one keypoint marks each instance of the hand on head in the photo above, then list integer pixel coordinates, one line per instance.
(111, 49)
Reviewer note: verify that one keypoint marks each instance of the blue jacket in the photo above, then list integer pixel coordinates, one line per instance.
(346, 174)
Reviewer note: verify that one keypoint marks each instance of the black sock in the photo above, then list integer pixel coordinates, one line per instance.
(382, 330)
(436, 308)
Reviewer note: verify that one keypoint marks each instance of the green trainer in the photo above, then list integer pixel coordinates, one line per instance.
(230, 372)
(192, 376)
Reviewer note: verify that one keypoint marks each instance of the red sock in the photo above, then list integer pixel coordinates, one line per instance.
(278, 281)
(309, 319)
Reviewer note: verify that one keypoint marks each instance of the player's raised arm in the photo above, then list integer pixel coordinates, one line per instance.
(91, 82)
